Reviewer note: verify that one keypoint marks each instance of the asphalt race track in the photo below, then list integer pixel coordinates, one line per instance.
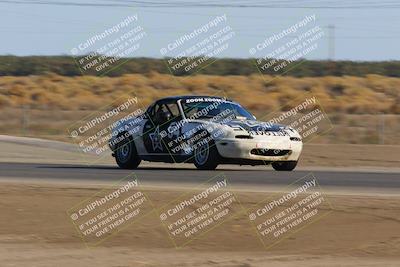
(173, 175)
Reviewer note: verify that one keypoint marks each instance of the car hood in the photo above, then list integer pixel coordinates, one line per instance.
(253, 125)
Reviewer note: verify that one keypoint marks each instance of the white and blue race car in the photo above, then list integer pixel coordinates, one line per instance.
(206, 131)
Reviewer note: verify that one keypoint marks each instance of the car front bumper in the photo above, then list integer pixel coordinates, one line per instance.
(276, 149)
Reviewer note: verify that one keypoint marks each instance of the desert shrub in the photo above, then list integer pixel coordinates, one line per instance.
(372, 94)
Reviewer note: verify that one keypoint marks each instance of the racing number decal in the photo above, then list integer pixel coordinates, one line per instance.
(156, 140)
(151, 138)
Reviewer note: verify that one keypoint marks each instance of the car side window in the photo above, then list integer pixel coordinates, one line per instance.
(162, 109)
(173, 109)
(161, 114)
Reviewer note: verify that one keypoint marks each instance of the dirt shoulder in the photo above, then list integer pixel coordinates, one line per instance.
(36, 231)
(346, 155)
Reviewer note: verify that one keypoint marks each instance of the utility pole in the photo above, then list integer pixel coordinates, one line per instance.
(331, 42)
(331, 49)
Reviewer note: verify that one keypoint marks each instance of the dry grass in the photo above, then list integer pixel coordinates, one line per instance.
(371, 94)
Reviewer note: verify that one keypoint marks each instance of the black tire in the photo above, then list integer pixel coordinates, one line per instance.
(206, 157)
(126, 155)
(284, 165)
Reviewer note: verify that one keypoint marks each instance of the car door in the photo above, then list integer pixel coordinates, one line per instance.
(157, 133)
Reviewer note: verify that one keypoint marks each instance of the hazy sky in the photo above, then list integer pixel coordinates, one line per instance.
(54, 27)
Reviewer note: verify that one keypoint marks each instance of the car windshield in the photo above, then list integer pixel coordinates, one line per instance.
(215, 109)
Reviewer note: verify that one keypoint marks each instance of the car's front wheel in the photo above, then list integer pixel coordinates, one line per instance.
(206, 156)
(284, 165)
(126, 155)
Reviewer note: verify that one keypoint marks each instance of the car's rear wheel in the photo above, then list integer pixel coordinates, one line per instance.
(284, 165)
(126, 155)
(206, 156)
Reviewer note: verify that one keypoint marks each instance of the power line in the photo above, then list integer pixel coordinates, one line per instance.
(213, 4)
